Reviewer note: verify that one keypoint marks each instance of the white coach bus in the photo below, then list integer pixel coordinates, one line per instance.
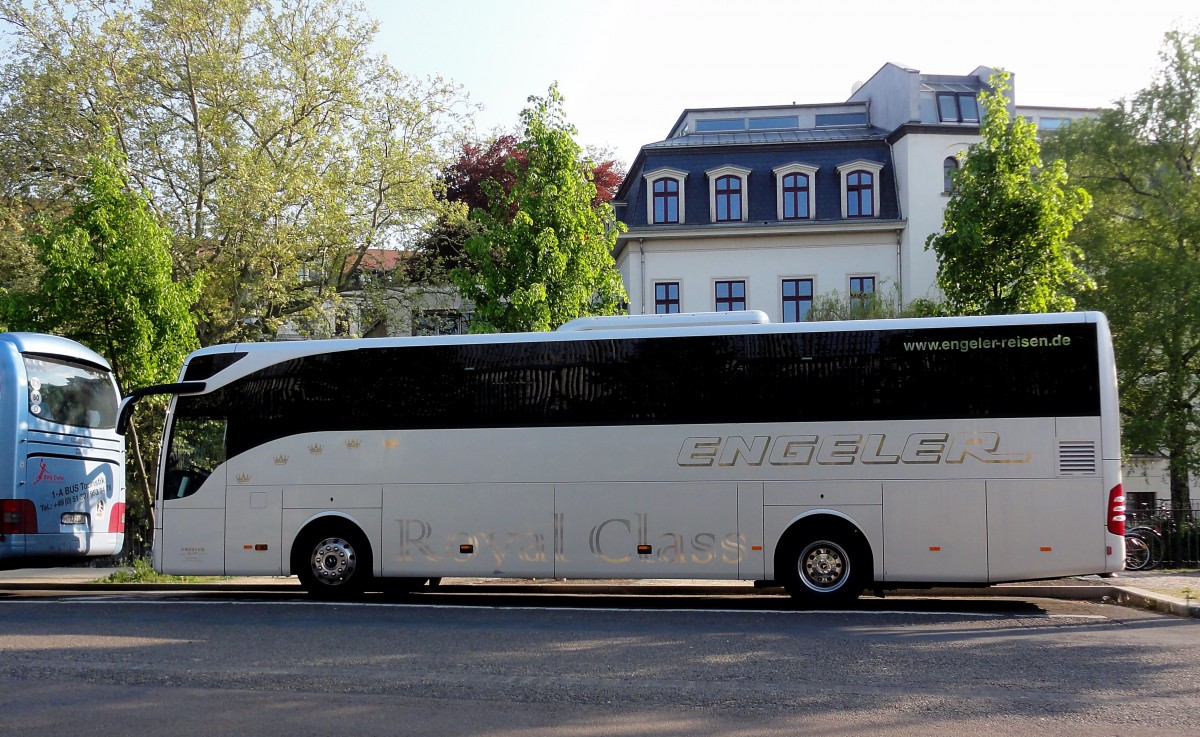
(829, 458)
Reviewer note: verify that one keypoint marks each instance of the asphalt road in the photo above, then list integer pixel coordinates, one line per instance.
(217, 664)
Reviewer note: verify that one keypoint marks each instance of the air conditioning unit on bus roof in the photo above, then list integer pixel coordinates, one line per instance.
(677, 320)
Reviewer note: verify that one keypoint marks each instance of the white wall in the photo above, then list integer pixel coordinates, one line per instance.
(761, 261)
(1151, 475)
(918, 158)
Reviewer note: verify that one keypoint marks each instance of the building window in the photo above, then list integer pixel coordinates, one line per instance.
(666, 297)
(774, 122)
(727, 201)
(860, 188)
(797, 299)
(666, 201)
(795, 191)
(949, 169)
(665, 196)
(957, 107)
(795, 197)
(824, 119)
(720, 124)
(860, 194)
(862, 291)
(731, 296)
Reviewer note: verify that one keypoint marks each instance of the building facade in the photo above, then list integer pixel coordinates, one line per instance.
(771, 208)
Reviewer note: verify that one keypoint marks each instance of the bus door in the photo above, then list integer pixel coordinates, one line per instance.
(191, 509)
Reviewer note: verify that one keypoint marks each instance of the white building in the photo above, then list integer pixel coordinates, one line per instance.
(769, 207)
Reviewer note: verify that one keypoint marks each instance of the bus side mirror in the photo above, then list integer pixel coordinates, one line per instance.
(125, 409)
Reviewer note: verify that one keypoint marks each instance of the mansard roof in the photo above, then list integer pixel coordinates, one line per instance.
(751, 138)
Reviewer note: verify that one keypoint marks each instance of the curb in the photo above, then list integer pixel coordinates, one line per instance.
(1121, 595)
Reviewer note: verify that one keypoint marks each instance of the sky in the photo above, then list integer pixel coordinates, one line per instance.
(628, 68)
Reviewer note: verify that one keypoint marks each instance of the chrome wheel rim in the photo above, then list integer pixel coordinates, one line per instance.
(824, 566)
(333, 561)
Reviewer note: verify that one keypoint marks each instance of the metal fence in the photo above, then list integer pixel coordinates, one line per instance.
(1168, 537)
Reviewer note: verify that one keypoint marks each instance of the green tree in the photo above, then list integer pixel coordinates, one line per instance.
(105, 279)
(1004, 248)
(1142, 241)
(544, 252)
(277, 146)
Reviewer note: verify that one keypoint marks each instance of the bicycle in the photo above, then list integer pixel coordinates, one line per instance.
(1143, 548)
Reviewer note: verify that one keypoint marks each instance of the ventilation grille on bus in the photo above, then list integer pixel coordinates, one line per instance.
(1077, 458)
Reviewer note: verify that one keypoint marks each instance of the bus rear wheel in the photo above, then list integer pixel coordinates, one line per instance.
(333, 562)
(825, 567)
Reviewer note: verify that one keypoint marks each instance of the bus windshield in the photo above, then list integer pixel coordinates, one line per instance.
(71, 394)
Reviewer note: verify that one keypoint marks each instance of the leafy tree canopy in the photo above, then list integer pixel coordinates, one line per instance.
(271, 139)
(1004, 245)
(466, 181)
(543, 254)
(105, 279)
(1139, 161)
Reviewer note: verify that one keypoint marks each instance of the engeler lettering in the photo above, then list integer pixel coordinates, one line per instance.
(918, 448)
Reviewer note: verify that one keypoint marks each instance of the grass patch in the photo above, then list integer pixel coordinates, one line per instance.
(143, 572)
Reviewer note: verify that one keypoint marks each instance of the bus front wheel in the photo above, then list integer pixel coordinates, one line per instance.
(332, 561)
(824, 566)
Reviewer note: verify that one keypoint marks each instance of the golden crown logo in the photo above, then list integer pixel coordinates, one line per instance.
(391, 443)
(353, 443)
(243, 478)
(316, 449)
(281, 460)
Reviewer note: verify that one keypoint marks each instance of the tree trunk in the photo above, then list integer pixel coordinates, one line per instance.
(147, 492)
(1180, 494)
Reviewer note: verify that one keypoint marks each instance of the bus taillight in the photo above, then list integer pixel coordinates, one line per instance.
(1116, 511)
(116, 518)
(17, 517)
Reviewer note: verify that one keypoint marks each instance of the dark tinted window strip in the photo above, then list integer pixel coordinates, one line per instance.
(1009, 371)
(202, 367)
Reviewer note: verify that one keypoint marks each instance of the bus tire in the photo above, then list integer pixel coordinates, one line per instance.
(827, 563)
(332, 560)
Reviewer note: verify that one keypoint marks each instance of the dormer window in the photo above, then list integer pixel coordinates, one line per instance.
(727, 201)
(795, 191)
(665, 196)
(666, 201)
(957, 107)
(860, 188)
(860, 194)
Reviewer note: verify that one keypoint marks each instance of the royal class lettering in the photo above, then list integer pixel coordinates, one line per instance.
(919, 448)
(612, 540)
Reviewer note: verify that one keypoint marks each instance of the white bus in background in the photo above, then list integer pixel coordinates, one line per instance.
(61, 459)
(830, 458)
